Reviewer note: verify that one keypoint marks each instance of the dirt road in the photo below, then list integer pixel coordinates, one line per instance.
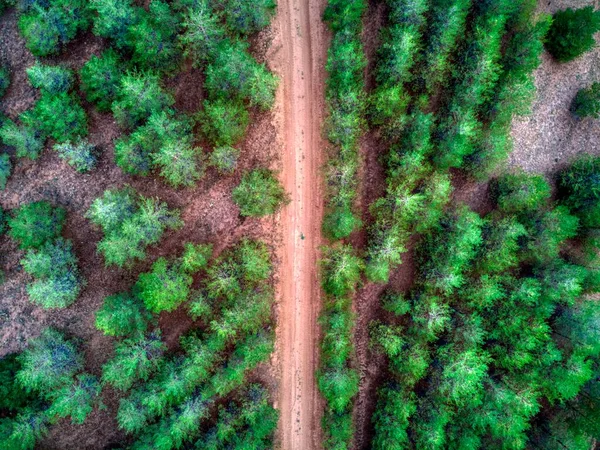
(303, 47)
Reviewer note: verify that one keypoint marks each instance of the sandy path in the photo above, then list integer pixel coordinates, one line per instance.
(303, 52)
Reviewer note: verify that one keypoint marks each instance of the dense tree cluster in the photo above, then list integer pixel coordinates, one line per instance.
(130, 223)
(341, 267)
(480, 92)
(42, 385)
(49, 259)
(171, 396)
(497, 340)
(345, 99)
(337, 379)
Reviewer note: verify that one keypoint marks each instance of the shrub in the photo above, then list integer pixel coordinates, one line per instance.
(341, 270)
(340, 223)
(165, 143)
(259, 194)
(57, 283)
(49, 362)
(100, 79)
(338, 386)
(587, 102)
(59, 116)
(139, 96)
(5, 169)
(245, 16)
(115, 18)
(26, 140)
(521, 193)
(165, 287)
(130, 224)
(75, 399)
(52, 79)
(224, 123)
(81, 156)
(224, 159)
(4, 80)
(178, 162)
(572, 33)
(135, 360)
(12, 395)
(122, 315)
(34, 224)
(234, 74)
(169, 283)
(48, 26)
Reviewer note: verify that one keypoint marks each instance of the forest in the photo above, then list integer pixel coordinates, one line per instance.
(149, 224)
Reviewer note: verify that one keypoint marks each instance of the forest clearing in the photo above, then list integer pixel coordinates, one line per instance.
(299, 224)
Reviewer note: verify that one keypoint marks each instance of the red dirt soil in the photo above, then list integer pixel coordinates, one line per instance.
(303, 43)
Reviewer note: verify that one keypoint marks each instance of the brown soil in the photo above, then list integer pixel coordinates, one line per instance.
(207, 210)
(551, 137)
(303, 45)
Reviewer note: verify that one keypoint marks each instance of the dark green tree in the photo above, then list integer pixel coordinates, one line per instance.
(36, 223)
(572, 33)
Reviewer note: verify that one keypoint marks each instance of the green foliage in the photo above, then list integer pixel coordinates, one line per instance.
(345, 15)
(224, 123)
(587, 102)
(26, 140)
(152, 37)
(49, 362)
(4, 80)
(115, 19)
(572, 33)
(122, 315)
(59, 116)
(203, 32)
(165, 143)
(5, 168)
(51, 79)
(165, 288)
(23, 431)
(57, 282)
(579, 190)
(100, 79)
(338, 386)
(76, 400)
(81, 155)
(341, 270)
(248, 421)
(169, 283)
(521, 193)
(36, 223)
(12, 396)
(451, 248)
(259, 194)
(224, 159)
(139, 95)
(135, 360)
(340, 223)
(245, 16)
(48, 26)
(130, 223)
(233, 74)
